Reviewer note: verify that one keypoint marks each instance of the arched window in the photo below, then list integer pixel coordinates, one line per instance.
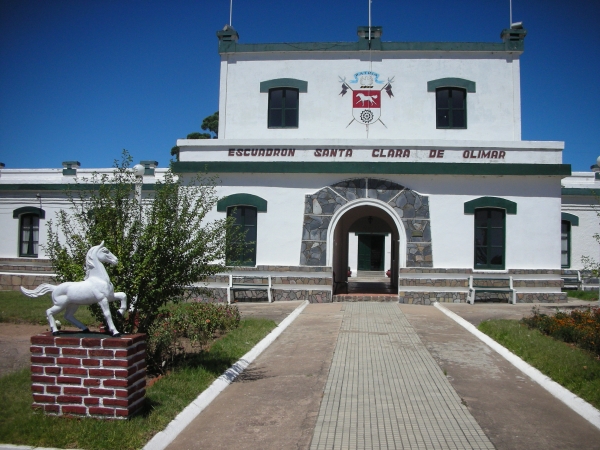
(29, 235)
(451, 101)
(283, 108)
(568, 221)
(245, 220)
(490, 238)
(451, 107)
(29, 230)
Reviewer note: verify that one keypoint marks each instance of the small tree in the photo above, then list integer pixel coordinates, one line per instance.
(211, 123)
(165, 246)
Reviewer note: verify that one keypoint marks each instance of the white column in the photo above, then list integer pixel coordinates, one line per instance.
(388, 252)
(353, 253)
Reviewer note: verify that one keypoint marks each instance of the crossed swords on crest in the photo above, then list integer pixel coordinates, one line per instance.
(387, 88)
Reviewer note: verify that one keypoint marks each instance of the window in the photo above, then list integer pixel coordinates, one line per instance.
(29, 235)
(283, 108)
(565, 244)
(451, 108)
(490, 238)
(245, 219)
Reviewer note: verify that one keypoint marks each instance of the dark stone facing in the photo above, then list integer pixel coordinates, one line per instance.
(412, 208)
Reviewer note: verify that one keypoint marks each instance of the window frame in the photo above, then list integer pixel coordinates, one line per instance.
(568, 240)
(251, 262)
(489, 265)
(450, 108)
(30, 253)
(282, 113)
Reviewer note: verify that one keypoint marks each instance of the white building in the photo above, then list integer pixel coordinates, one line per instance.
(377, 155)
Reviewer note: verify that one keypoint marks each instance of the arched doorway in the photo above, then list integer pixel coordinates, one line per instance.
(406, 213)
(366, 237)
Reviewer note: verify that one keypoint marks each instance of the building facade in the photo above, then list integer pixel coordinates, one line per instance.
(341, 159)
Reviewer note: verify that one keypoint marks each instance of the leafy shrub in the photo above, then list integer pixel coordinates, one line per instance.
(581, 327)
(194, 324)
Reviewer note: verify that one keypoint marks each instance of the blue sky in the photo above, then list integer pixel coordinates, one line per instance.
(84, 79)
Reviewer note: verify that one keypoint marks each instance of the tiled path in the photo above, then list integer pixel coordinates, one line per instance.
(385, 390)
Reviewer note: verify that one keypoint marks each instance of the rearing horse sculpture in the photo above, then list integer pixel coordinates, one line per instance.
(96, 288)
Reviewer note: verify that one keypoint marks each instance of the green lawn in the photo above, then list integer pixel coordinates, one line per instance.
(15, 307)
(583, 295)
(164, 400)
(575, 369)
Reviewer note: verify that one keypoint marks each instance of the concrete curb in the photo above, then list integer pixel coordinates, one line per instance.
(162, 439)
(577, 404)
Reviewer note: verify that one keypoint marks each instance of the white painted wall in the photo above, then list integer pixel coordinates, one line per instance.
(587, 207)
(9, 244)
(533, 234)
(493, 110)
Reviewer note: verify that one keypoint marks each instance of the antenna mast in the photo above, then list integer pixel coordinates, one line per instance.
(230, 10)
(510, 12)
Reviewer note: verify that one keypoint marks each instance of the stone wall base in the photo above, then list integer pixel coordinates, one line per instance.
(219, 295)
(90, 375)
(13, 282)
(534, 297)
(428, 298)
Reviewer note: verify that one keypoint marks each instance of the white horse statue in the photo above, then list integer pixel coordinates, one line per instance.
(96, 288)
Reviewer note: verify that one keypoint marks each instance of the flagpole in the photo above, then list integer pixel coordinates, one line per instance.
(510, 12)
(230, 10)
(369, 20)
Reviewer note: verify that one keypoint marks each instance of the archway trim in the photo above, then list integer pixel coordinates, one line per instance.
(242, 199)
(490, 202)
(570, 218)
(367, 202)
(29, 210)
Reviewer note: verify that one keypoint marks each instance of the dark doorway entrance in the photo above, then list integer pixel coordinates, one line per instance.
(371, 252)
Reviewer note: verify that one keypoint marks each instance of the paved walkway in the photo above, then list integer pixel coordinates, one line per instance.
(385, 390)
(383, 375)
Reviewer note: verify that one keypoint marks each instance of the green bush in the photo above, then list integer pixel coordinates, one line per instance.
(194, 324)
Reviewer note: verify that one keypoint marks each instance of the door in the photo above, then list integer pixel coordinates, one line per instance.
(371, 252)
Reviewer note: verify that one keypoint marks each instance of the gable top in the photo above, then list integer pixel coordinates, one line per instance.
(512, 42)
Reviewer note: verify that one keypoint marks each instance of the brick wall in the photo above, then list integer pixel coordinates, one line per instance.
(97, 376)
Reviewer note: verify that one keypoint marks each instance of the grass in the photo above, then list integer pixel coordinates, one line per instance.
(15, 307)
(575, 369)
(164, 400)
(583, 295)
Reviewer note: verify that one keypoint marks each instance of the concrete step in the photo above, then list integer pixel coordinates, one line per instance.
(370, 274)
(366, 298)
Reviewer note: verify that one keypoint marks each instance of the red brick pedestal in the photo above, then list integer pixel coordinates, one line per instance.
(88, 374)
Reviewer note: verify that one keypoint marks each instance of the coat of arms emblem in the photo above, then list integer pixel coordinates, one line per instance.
(366, 96)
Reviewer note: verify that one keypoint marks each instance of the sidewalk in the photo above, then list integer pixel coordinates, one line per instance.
(364, 375)
(514, 412)
(275, 402)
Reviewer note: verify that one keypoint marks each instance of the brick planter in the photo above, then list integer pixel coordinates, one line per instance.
(90, 375)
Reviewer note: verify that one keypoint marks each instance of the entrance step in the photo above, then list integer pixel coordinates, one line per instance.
(370, 274)
(366, 298)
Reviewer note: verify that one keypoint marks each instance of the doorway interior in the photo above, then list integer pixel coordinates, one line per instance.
(365, 247)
